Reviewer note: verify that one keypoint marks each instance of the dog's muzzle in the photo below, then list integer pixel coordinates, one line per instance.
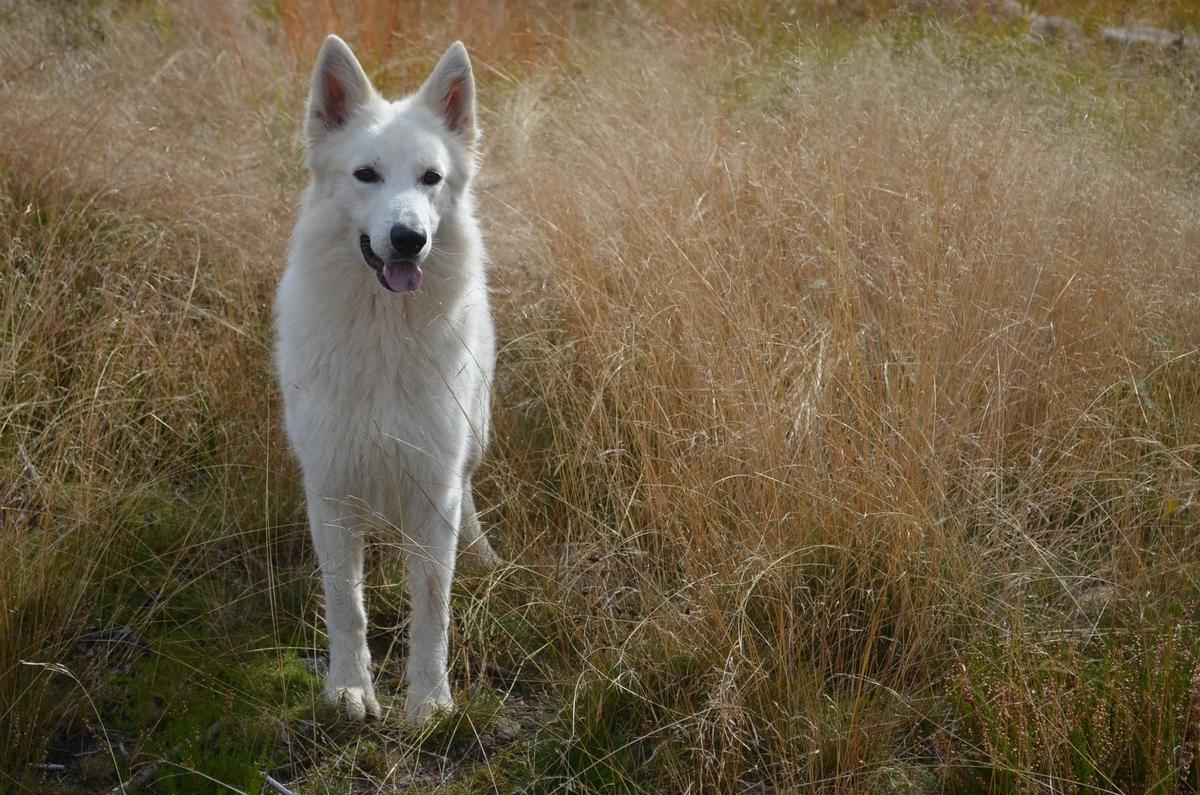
(399, 276)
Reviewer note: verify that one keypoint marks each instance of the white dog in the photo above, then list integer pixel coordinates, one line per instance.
(385, 354)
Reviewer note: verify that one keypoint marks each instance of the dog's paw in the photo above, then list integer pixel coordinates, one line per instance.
(355, 703)
(478, 557)
(418, 712)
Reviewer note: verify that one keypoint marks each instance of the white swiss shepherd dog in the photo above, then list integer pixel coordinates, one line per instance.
(385, 352)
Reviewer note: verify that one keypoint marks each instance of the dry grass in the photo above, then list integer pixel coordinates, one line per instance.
(847, 426)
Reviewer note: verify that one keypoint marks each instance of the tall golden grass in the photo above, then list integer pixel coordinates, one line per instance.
(847, 411)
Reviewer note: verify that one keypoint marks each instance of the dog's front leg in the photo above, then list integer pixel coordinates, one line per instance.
(431, 537)
(340, 552)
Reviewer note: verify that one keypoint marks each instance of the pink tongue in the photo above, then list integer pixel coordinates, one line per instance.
(402, 277)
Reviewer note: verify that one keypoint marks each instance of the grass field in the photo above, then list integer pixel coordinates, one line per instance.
(847, 428)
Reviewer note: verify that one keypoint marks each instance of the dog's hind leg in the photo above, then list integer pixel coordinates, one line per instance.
(340, 552)
(474, 551)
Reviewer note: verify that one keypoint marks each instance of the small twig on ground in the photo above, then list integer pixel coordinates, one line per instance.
(275, 785)
(179, 495)
(1142, 37)
(30, 469)
(144, 775)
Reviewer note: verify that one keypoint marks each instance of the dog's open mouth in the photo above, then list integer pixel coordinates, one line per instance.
(402, 276)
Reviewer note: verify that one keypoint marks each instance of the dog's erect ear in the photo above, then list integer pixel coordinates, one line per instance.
(450, 91)
(339, 87)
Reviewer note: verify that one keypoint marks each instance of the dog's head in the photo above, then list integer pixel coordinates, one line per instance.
(392, 172)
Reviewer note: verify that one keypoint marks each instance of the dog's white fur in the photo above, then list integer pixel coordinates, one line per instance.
(386, 394)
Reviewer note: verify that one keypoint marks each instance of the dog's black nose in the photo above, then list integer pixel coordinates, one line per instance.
(406, 241)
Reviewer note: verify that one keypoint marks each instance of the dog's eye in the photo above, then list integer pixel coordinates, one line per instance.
(431, 178)
(367, 174)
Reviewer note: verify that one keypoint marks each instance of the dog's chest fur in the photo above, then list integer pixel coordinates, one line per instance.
(377, 386)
